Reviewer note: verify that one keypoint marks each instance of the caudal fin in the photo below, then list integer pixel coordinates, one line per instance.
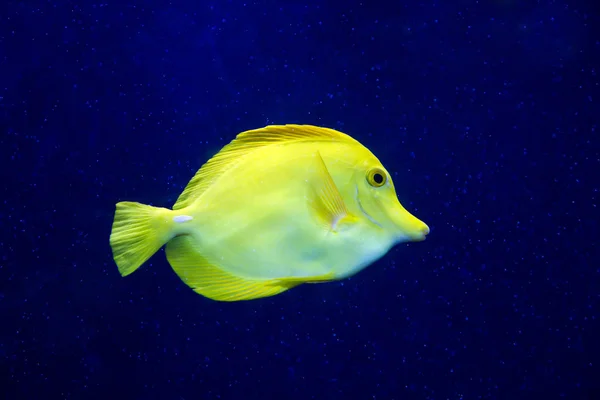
(138, 232)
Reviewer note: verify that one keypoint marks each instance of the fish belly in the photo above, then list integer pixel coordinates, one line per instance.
(283, 245)
(273, 246)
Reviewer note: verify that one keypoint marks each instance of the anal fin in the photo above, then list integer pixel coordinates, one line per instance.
(304, 279)
(211, 281)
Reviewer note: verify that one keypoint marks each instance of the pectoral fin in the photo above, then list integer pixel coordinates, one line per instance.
(325, 198)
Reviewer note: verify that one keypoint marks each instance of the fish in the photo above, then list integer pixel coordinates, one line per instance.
(275, 208)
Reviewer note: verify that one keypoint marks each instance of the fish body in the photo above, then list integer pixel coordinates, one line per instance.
(277, 207)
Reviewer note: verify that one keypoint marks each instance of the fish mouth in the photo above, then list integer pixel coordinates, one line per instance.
(362, 209)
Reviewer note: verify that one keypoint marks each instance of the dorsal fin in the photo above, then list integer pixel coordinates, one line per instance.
(243, 144)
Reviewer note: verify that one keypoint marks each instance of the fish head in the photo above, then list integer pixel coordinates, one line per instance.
(376, 199)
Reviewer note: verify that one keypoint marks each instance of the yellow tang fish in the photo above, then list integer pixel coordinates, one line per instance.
(277, 207)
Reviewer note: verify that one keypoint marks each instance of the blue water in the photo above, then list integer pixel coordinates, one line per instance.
(486, 113)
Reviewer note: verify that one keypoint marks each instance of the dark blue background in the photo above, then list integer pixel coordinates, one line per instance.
(486, 112)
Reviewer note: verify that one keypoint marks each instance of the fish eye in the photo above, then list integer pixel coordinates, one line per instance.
(376, 177)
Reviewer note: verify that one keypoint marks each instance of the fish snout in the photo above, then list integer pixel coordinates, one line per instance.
(410, 227)
(421, 231)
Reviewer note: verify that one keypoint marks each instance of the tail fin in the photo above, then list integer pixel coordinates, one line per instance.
(138, 232)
